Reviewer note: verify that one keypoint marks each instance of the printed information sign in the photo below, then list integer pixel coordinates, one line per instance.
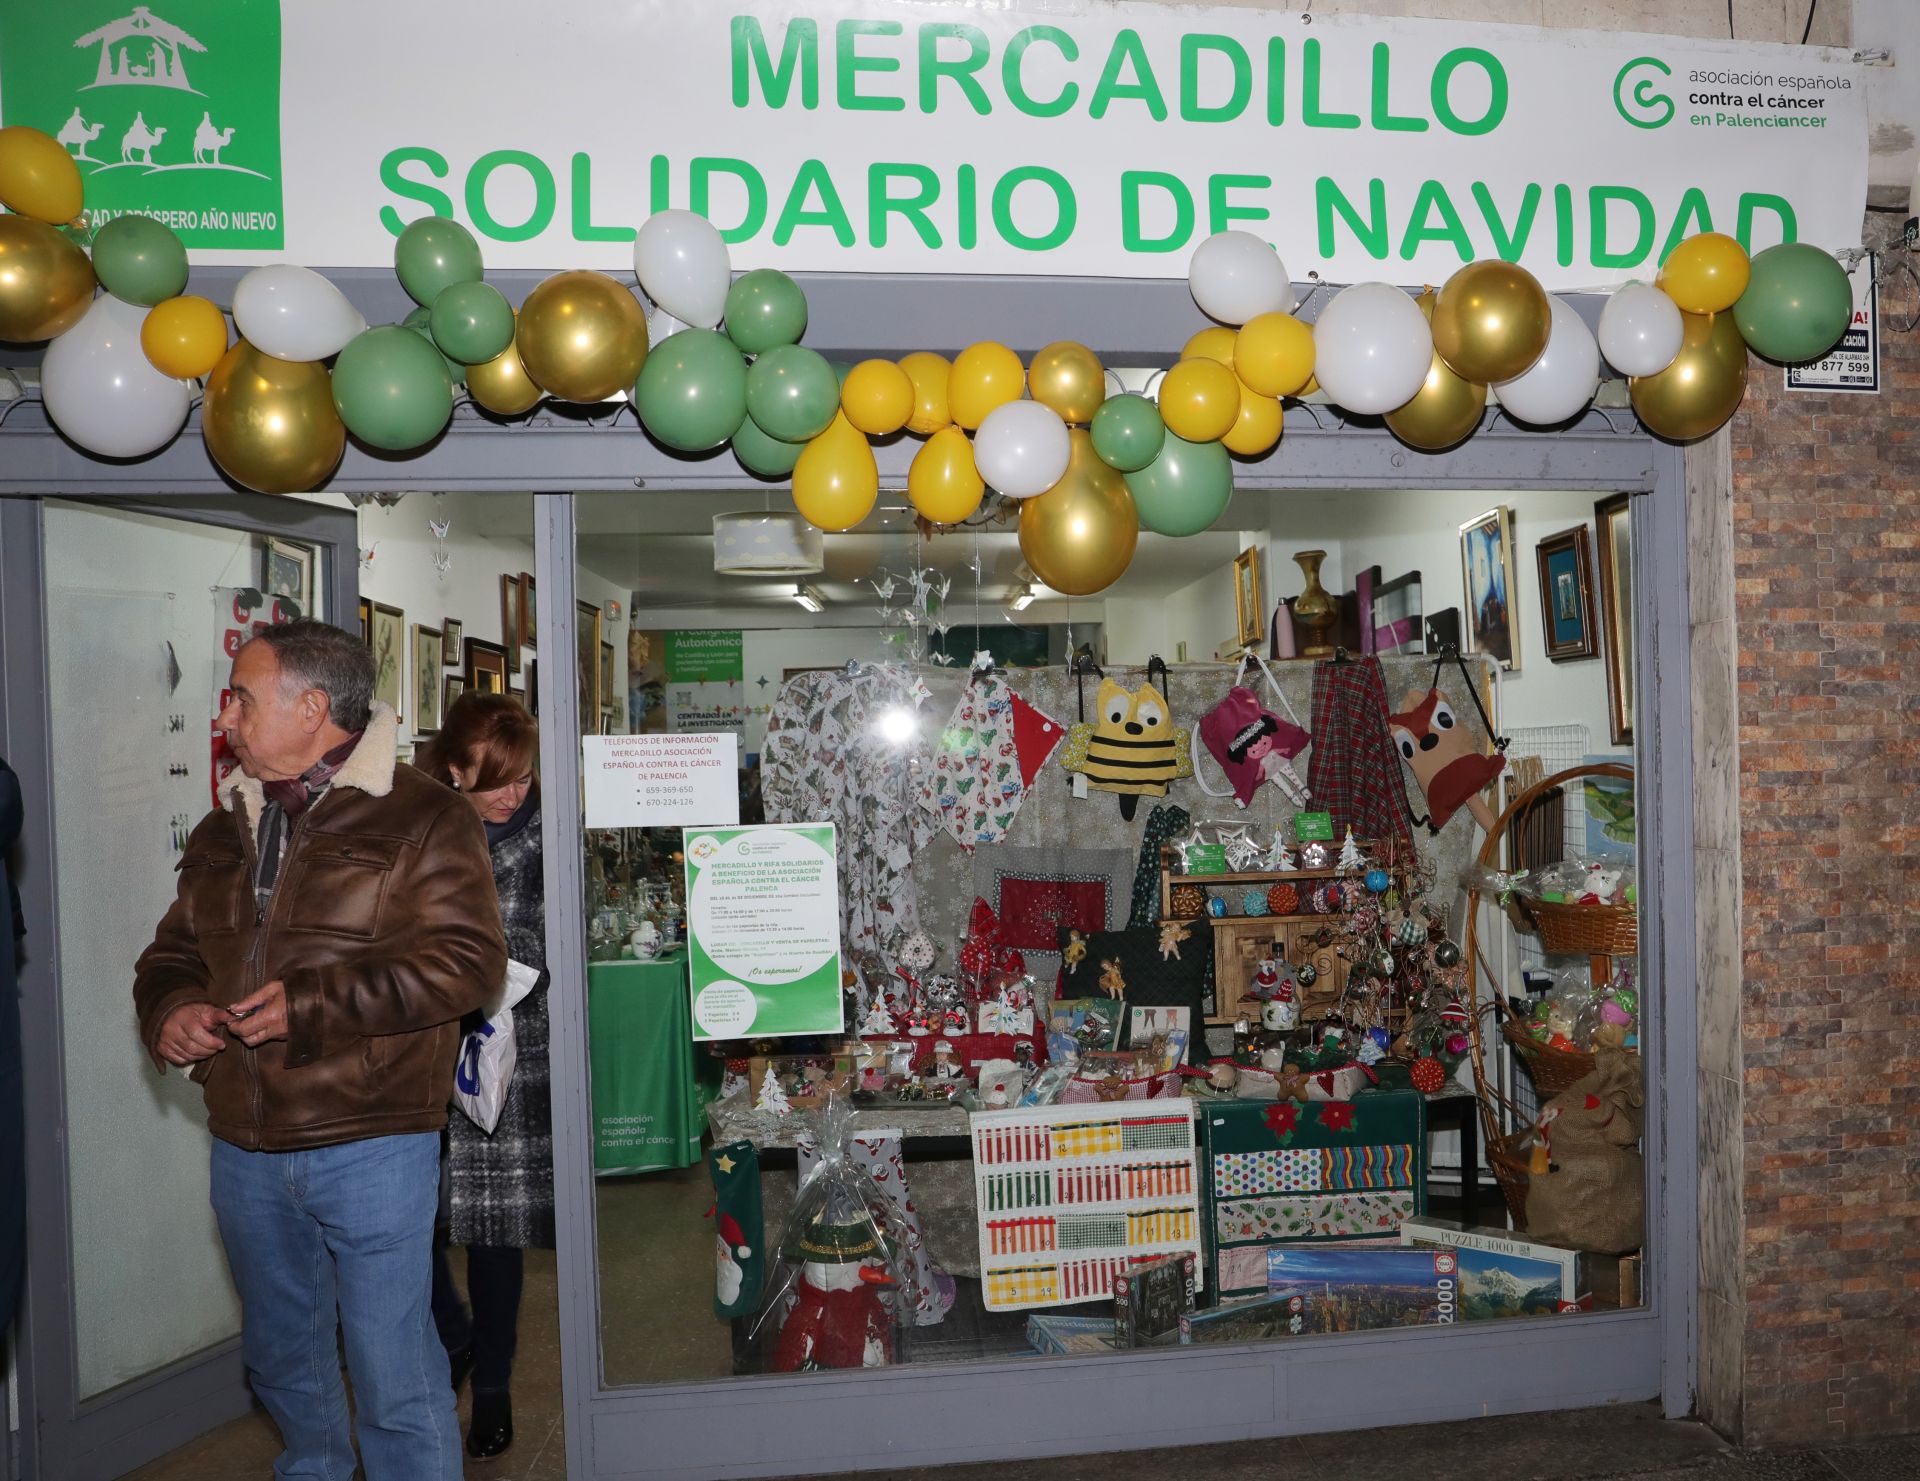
(661, 781)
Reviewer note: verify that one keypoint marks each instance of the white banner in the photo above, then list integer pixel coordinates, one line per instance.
(1055, 137)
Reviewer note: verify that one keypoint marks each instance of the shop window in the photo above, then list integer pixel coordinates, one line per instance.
(1161, 996)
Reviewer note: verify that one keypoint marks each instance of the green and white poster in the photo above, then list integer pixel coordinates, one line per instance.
(171, 112)
(763, 931)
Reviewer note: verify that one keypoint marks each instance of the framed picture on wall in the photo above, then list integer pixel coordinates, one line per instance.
(450, 635)
(607, 695)
(529, 623)
(1486, 573)
(513, 624)
(1613, 520)
(1249, 617)
(1566, 595)
(533, 686)
(387, 636)
(366, 622)
(453, 688)
(287, 571)
(518, 696)
(427, 697)
(486, 667)
(586, 624)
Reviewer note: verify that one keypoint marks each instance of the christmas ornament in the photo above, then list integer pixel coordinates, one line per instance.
(1216, 907)
(1446, 954)
(1280, 858)
(1242, 852)
(1307, 973)
(1384, 964)
(739, 1229)
(1413, 932)
(1185, 845)
(1283, 899)
(1378, 881)
(1314, 856)
(1189, 900)
(1352, 860)
(1429, 1075)
(917, 952)
(1324, 900)
(1253, 902)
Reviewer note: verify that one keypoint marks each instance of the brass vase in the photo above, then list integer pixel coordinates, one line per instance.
(1314, 610)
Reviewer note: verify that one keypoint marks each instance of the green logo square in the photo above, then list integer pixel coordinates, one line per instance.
(175, 116)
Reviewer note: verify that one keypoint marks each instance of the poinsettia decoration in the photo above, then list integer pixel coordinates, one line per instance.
(1282, 1116)
(982, 957)
(1336, 1115)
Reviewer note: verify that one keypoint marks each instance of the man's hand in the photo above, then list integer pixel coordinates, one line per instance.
(191, 1033)
(256, 1020)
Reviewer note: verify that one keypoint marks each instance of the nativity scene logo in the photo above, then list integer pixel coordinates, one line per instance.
(175, 116)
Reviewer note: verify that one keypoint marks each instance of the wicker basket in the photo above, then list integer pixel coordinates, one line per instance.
(1586, 930)
(1553, 1070)
(1510, 1170)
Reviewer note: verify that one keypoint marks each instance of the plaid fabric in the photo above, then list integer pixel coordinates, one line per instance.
(1037, 1285)
(1089, 1139)
(1354, 772)
(1164, 823)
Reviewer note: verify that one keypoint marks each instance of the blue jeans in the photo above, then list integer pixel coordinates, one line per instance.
(331, 1239)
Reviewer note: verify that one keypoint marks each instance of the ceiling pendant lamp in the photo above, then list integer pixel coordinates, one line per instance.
(766, 543)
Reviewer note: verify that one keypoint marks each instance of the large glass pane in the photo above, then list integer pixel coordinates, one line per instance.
(138, 613)
(1312, 991)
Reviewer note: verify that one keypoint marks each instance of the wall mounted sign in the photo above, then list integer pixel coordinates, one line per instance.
(661, 781)
(1854, 364)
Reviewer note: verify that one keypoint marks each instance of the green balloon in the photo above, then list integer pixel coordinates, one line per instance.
(392, 389)
(765, 309)
(692, 392)
(1797, 305)
(1185, 489)
(792, 393)
(766, 456)
(1128, 433)
(139, 259)
(432, 254)
(420, 321)
(471, 322)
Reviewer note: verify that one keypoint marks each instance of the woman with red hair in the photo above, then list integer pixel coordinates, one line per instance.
(500, 1183)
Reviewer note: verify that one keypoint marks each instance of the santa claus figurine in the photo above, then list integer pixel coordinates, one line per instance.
(730, 1248)
(841, 1314)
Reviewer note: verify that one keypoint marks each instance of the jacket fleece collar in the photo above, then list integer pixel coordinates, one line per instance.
(369, 769)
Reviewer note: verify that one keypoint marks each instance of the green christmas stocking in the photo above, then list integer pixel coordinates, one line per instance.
(739, 1227)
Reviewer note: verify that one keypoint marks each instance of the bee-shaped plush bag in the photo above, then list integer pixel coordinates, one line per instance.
(1132, 749)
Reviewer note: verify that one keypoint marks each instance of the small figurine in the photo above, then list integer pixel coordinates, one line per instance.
(1603, 886)
(943, 1066)
(1075, 952)
(1111, 982)
(1172, 933)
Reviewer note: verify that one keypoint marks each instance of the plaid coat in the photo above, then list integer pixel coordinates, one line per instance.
(501, 1185)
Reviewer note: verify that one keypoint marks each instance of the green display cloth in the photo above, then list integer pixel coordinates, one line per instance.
(650, 1090)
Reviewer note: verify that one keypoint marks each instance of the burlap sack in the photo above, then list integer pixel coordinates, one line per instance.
(1593, 1195)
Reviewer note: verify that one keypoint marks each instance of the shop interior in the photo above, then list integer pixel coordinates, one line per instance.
(910, 609)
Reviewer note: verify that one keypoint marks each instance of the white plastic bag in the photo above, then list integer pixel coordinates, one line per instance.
(488, 1055)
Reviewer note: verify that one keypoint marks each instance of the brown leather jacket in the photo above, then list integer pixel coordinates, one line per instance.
(385, 928)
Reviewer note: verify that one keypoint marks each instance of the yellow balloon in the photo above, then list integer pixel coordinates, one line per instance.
(1069, 378)
(836, 482)
(1212, 343)
(582, 336)
(502, 384)
(1200, 400)
(1257, 428)
(1706, 274)
(929, 373)
(877, 397)
(1312, 385)
(942, 484)
(184, 337)
(984, 376)
(38, 178)
(270, 424)
(1274, 355)
(1696, 394)
(1079, 536)
(1490, 321)
(46, 283)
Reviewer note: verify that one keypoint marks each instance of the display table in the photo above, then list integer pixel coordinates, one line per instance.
(649, 1097)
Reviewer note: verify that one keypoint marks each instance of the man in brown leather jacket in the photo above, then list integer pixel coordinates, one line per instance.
(335, 918)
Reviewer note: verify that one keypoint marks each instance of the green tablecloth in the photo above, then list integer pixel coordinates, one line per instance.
(649, 1096)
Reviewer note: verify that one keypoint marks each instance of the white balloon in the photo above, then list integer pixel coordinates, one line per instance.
(1562, 381)
(1371, 348)
(292, 313)
(682, 262)
(1022, 449)
(1640, 330)
(1235, 276)
(101, 390)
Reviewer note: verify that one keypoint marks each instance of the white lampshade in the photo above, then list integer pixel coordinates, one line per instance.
(752, 543)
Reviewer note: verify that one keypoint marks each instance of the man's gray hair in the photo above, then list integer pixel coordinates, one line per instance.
(317, 655)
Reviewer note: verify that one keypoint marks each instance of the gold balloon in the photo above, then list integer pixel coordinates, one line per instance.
(1069, 378)
(1490, 322)
(582, 336)
(46, 282)
(1445, 410)
(270, 424)
(502, 384)
(1696, 394)
(1079, 535)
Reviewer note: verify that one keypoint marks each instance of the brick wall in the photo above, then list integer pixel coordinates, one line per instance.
(1826, 533)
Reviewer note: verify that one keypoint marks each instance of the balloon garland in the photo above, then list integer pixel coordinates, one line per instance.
(1087, 471)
